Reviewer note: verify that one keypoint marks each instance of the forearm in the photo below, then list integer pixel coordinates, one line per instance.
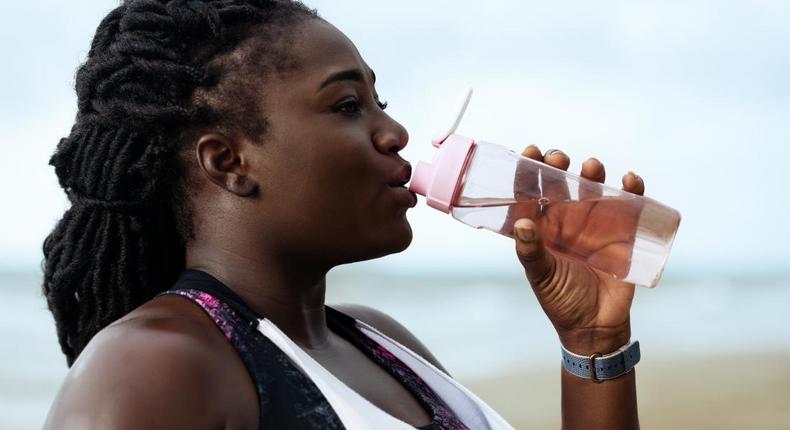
(587, 404)
(607, 405)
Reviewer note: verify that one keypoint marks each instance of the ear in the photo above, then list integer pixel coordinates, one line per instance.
(220, 158)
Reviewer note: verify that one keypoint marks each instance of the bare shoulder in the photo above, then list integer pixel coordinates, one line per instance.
(391, 327)
(149, 371)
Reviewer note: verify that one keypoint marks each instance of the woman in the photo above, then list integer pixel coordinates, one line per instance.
(243, 141)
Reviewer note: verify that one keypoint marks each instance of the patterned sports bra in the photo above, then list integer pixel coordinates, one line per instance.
(288, 398)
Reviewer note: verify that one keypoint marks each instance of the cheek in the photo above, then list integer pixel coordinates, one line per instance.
(347, 185)
(342, 161)
(336, 179)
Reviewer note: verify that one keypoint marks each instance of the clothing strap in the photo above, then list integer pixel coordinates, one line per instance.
(202, 281)
(289, 398)
(602, 367)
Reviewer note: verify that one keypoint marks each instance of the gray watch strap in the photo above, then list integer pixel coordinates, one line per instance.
(604, 367)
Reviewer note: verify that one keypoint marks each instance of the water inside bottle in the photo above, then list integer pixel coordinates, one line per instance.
(609, 233)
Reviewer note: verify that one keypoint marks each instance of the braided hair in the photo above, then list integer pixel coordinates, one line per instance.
(157, 70)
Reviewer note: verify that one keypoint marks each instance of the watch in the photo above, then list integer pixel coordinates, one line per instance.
(599, 367)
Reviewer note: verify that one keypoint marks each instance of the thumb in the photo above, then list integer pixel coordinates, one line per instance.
(537, 261)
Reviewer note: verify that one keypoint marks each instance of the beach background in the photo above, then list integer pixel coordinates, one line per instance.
(692, 95)
(715, 354)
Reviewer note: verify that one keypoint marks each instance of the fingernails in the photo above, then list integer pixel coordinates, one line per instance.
(551, 151)
(525, 234)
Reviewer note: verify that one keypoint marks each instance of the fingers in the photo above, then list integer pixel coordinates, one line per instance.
(557, 158)
(526, 185)
(593, 170)
(537, 261)
(533, 152)
(555, 185)
(633, 183)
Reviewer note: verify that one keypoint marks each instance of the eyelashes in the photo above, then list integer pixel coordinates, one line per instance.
(353, 106)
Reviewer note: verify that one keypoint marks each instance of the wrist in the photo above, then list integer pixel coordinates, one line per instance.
(595, 340)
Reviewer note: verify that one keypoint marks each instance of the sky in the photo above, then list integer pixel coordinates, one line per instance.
(692, 95)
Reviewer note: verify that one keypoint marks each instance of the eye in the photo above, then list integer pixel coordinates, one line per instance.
(353, 106)
(348, 107)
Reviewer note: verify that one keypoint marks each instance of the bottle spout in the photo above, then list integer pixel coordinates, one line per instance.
(422, 178)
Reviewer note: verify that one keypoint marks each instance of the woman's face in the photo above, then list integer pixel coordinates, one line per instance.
(328, 167)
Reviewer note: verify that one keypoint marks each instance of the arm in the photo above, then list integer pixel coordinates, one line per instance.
(590, 310)
(131, 377)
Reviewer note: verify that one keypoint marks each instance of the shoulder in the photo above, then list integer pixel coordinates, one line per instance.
(391, 327)
(150, 371)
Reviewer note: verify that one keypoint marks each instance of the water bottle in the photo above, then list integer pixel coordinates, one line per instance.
(489, 186)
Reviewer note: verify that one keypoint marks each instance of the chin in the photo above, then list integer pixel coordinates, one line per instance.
(405, 238)
(393, 241)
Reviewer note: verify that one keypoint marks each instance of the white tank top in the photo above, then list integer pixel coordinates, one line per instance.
(357, 413)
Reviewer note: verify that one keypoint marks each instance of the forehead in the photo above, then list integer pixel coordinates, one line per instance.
(322, 49)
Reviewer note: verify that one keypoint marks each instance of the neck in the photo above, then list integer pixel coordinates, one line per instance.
(288, 294)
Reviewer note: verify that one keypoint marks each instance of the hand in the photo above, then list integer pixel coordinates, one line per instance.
(588, 307)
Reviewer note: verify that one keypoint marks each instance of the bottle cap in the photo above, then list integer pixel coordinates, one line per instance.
(440, 180)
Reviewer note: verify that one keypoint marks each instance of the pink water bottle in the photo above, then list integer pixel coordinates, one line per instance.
(490, 186)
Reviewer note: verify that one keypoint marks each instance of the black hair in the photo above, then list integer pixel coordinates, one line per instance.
(156, 71)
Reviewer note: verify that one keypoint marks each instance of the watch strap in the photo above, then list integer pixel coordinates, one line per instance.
(602, 367)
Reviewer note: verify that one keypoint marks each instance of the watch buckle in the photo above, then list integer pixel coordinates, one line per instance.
(593, 374)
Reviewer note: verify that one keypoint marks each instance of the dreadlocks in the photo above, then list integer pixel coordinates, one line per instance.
(156, 70)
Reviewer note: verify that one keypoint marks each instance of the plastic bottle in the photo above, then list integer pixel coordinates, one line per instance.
(490, 186)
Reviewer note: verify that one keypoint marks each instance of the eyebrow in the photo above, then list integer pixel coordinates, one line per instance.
(347, 75)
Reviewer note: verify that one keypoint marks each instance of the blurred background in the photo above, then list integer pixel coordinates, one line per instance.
(693, 95)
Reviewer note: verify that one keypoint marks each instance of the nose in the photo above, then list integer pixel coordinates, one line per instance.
(391, 136)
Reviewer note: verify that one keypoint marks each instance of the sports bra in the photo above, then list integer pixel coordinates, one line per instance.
(296, 392)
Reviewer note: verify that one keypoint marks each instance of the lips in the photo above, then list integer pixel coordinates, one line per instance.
(405, 196)
(402, 176)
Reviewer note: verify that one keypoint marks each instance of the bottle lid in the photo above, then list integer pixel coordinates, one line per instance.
(440, 180)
